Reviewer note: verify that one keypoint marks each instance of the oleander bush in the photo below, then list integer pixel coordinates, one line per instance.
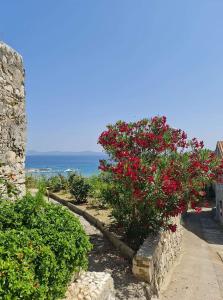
(157, 172)
(41, 246)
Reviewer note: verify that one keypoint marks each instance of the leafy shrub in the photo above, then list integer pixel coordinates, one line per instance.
(41, 246)
(79, 187)
(34, 182)
(101, 186)
(64, 183)
(31, 182)
(7, 188)
(156, 171)
(57, 183)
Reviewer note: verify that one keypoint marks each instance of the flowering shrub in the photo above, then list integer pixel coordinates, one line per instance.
(157, 173)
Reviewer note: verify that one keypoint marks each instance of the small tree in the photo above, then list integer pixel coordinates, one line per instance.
(79, 188)
(57, 183)
(157, 173)
(54, 183)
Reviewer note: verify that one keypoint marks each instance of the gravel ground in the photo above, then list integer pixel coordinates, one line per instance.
(105, 258)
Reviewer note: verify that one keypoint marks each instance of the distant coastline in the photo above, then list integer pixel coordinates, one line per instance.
(53, 163)
(65, 153)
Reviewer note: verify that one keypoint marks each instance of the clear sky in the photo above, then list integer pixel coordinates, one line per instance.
(92, 62)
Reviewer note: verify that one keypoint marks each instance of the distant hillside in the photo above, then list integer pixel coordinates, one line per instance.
(51, 153)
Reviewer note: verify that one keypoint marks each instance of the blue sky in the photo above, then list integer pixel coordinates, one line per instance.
(90, 63)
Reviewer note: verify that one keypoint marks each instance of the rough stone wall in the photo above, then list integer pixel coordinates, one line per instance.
(156, 256)
(12, 117)
(91, 286)
(219, 201)
(218, 186)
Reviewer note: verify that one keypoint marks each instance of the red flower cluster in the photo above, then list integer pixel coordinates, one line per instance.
(158, 168)
(169, 186)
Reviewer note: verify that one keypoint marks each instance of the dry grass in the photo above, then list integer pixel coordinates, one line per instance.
(92, 207)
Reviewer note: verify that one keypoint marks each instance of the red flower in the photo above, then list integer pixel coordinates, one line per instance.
(193, 205)
(206, 204)
(198, 209)
(160, 203)
(202, 193)
(172, 227)
(169, 186)
(124, 127)
(153, 168)
(150, 179)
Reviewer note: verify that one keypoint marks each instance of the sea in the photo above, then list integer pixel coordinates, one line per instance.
(47, 165)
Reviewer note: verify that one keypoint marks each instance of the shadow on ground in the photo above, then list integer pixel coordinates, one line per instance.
(104, 258)
(204, 226)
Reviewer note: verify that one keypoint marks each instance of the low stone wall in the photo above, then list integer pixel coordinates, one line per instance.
(124, 249)
(155, 258)
(91, 286)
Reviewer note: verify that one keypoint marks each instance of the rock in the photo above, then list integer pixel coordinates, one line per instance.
(91, 286)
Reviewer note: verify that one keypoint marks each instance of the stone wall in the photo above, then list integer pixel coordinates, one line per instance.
(12, 117)
(156, 256)
(218, 186)
(219, 201)
(91, 286)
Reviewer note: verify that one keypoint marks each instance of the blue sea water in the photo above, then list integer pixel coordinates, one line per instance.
(48, 165)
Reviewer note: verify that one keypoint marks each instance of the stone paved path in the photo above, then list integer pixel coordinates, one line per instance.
(105, 258)
(199, 274)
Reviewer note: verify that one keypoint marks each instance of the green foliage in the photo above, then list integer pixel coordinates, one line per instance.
(41, 246)
(79, 187)
(57, 183)
(101, 189)
(64, 183)
(33, 182)
(7, 189)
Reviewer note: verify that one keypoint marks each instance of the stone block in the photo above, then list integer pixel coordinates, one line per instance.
(91, 286)
(156, 256)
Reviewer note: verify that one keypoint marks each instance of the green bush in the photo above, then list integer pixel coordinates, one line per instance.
(101, 186)
(79, 187)
(57, 183)
(8, 189)
(41, 246)
(33, 182)
(64, 183)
